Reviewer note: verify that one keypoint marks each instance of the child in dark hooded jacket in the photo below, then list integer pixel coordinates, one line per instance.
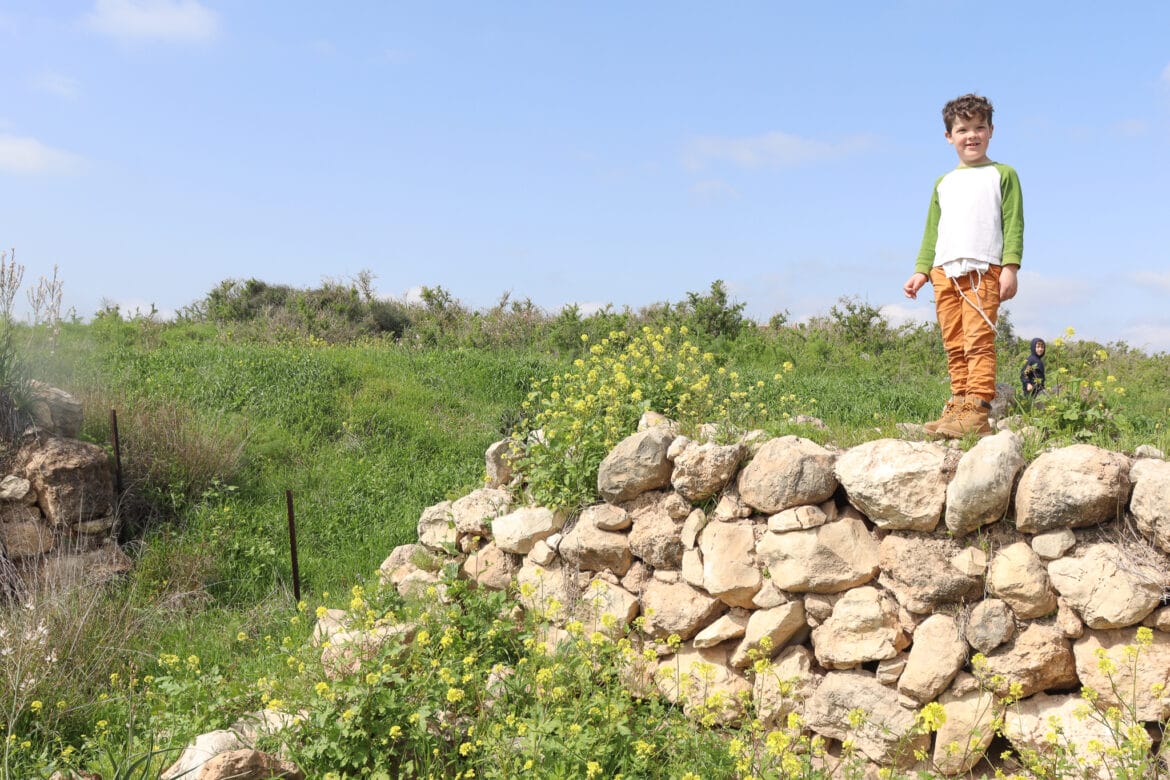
(1032, 374)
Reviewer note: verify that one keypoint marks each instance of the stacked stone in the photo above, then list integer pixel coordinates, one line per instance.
(877, 578)
(57, 514)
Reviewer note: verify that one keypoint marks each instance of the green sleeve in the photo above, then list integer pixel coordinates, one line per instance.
(1013, 215)
(930, 235)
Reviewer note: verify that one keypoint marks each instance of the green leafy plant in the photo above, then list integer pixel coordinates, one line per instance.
(577, 416)
(1078, 404)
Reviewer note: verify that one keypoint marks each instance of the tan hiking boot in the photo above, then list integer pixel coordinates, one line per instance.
(949, 411)
(972, 418)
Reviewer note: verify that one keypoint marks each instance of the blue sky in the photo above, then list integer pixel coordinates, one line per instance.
(586, 153)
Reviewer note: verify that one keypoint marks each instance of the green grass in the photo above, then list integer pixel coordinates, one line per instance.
(219, 421)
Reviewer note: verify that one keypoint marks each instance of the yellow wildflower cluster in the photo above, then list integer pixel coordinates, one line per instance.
(576, 417)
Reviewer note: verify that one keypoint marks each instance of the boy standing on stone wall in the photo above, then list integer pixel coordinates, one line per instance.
(970, 253)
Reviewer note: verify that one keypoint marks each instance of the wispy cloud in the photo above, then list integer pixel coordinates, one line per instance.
(57, 84)
(30, 156)
(1166, 73)
(771, 150)
(169, 20)
(1160, 281)
(902, 314)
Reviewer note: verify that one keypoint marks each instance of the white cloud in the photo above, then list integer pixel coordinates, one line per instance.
(1166, 73)
(1152, 279)
(57, 84)
(413, 295)
(28, 155)
(771, 150)
(173, 20)
(902, 314)
(1149, 337)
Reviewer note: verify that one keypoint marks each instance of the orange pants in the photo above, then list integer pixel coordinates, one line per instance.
(967, 338)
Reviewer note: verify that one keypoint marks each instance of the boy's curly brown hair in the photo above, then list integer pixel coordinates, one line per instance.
(966, 106)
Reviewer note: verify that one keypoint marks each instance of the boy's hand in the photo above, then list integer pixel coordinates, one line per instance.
(914, 284)
(1007, 282)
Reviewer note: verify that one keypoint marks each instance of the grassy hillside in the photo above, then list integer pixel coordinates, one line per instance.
(367, 424)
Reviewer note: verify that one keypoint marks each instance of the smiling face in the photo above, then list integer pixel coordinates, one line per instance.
(970, 138)
(1039, 350)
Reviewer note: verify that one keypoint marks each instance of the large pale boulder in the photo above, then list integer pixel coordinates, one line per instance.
(436, 527)
(936, 656)
(1072, 487)
(516, 532)
(656, 531)
(786, 472)
(548, 591)
(1150, 502)
(729, 564)
(1127, 671)
(677, 608)
(489, 568)
(1018, 577)
(828, 559)
(1107, 586)
(899, 485)
(638, 463)
(402, 560)
(248, 764)
(704, 683)
(864, 627)
(473, 514)
(200, 751)
(73, 480)
(54, 410)
(1044, 724)
(702, 470)
(967, 729)
(886, 730)
(919, 572)
(982, 487)
(784, 685)
(768, 631)
(589, 548)
(1038, 659)
(606, 607)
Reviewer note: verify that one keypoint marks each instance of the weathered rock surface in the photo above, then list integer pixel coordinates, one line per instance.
(981, 490)
(1018, 577)
(899, 485)
(637, 464)
(828, 559)
(864, 627)
(702, 470)
(1072, 487)
(1107, 587)
(886, 733)
(918, 571)
(786, 472)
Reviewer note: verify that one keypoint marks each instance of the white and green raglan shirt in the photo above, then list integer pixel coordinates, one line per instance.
(976, 212)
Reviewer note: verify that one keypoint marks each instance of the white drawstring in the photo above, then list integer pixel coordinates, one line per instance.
(977, 305)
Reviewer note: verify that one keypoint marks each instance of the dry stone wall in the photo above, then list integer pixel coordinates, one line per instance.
(57, 514)
(880, 578)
